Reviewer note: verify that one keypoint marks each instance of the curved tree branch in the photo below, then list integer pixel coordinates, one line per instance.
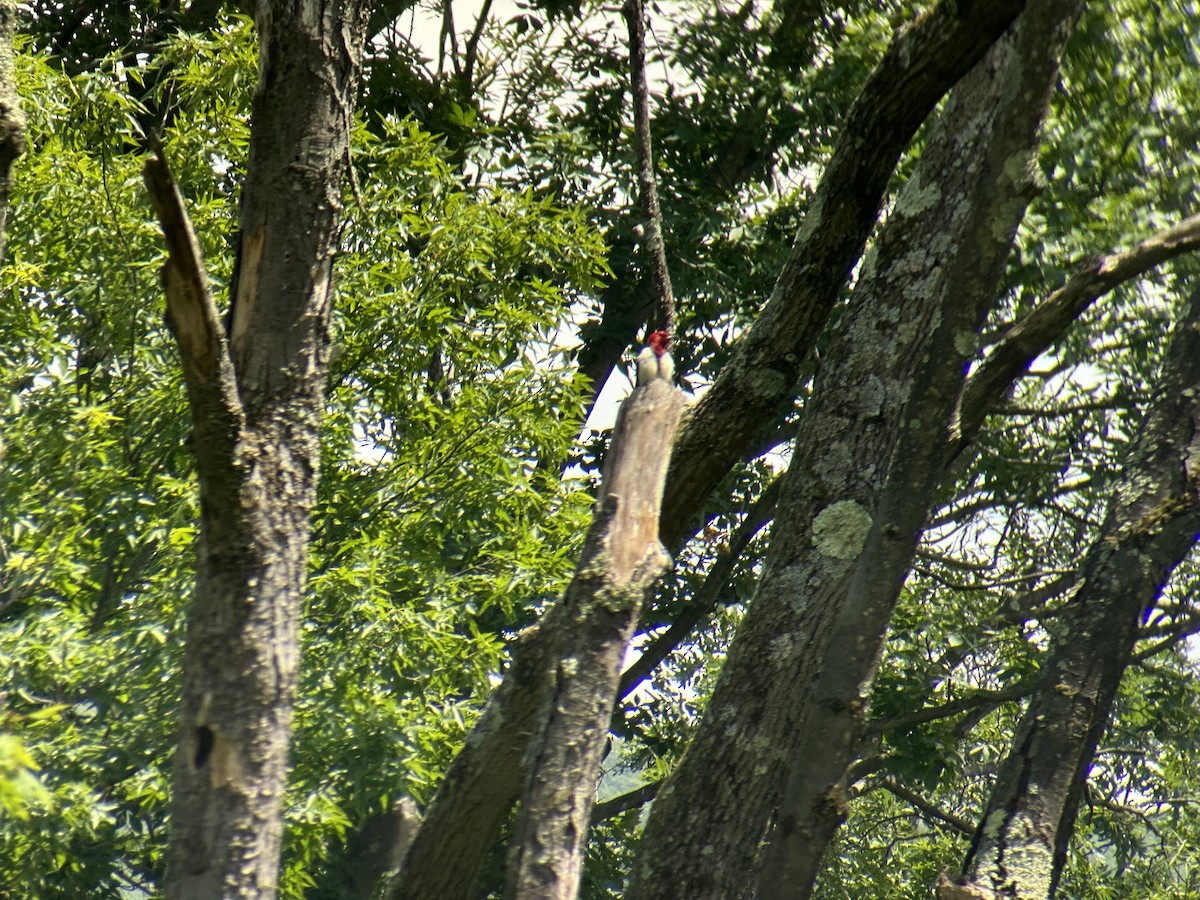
(1029, 338)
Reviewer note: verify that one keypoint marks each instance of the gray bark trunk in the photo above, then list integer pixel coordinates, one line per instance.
(621, 565)
(256, 401)
(865, 467)
(992, 124)
(1021, 843)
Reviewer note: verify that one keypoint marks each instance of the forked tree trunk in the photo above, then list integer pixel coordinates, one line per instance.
(256, 397)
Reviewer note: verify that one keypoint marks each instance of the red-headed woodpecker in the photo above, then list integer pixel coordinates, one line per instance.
(654, 361)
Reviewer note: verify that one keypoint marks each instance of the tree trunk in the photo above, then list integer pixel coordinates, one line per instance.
(854, 499)
(621, 564)
(12, 118)
(1020, 846)
(256, 401)
(992, 125)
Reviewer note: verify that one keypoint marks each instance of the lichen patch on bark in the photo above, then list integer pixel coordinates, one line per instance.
(840, 529)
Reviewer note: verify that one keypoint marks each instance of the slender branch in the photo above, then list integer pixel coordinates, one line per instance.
(1185, 632)
(652, 241)
(928, 809)
(1027, 339)
(953, 708)
(472, 51)
(634, 799)
(448, 36)
(705, 601)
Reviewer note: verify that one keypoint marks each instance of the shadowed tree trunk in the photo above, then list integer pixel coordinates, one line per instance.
(1020, 846)
(256, 399)
(990, 128)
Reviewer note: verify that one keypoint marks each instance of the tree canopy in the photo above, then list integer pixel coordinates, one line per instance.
(930, 511)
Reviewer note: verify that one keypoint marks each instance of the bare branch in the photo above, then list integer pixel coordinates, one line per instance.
(1181, 634)
(652, 241)
(926, 808)
(190, 306)
(1029, 338)
(632, 800)
(472, 51)
(976, 699)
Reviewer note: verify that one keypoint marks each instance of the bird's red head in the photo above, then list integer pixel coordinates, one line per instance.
(659, 342)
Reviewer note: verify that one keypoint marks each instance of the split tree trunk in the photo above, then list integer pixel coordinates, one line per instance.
(924, 61)
(621, 565)
(256, 397)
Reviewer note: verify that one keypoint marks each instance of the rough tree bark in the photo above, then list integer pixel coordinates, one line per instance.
(855, 497)
(924, 61)
(993, 125)
(1020, 846)
(621, 564)
(256, 398)
(12, 118)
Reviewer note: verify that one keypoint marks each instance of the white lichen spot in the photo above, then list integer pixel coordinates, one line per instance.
(919, 197)
(831, 467)
(964, 343)
(569, 666)
(840, 529)
(782, 648)
(1020, 169)
(872, 396)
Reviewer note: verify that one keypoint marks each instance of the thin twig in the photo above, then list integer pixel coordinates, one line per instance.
(926, 808)
(652, 241)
